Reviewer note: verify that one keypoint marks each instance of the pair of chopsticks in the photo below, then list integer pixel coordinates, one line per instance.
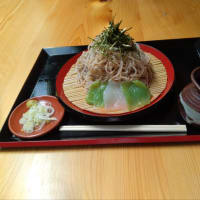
(126, 128)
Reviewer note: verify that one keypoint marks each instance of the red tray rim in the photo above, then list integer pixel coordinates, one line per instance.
(102, 141)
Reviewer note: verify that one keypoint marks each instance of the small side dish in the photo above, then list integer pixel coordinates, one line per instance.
(39, 113)
(36, 116)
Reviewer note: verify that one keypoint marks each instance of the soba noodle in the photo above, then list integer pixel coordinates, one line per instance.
(92, 66)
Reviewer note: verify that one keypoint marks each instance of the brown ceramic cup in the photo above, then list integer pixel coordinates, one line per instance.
(189, 99)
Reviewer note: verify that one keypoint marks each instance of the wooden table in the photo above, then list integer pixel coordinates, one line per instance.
(106, 172)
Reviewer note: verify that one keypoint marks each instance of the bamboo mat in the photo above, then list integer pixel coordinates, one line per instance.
(77, 94)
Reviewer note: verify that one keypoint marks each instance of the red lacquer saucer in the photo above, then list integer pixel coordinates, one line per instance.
(16, 128)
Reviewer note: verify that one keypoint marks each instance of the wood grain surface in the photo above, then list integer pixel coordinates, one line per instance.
(107, 172)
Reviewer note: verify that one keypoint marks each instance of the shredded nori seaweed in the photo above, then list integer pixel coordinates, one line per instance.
(114, 39)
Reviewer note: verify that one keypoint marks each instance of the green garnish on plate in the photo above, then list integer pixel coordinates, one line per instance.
(137, 94)
(95, 94)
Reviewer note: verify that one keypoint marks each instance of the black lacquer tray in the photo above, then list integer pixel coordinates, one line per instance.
(184, 55)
